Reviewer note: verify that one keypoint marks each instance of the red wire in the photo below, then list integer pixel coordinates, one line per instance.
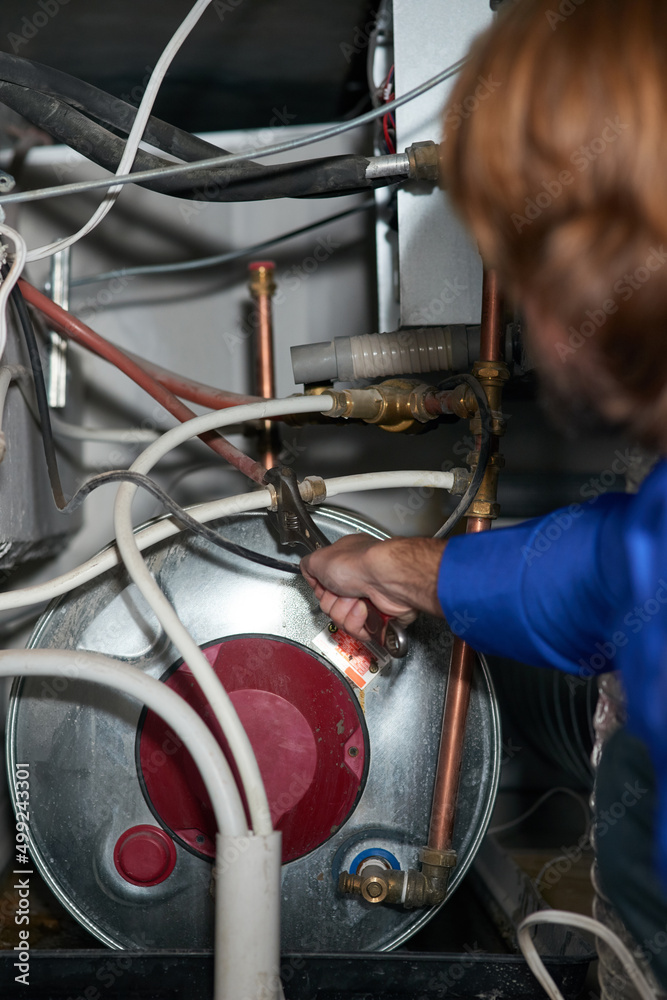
(387, 138)
(73, 328)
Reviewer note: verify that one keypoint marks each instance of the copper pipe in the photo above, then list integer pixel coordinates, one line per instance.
(457, 698)
(262, 289)
(443, 810)
(491, 345)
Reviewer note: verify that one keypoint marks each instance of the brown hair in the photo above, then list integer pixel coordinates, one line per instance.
(555, 154)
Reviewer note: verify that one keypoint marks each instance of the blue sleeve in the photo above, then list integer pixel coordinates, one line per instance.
(547, 591)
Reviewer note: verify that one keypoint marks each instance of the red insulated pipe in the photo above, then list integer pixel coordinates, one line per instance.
(73, 328)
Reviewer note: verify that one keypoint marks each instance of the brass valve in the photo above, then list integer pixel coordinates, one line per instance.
(411, 889)
(393, 405)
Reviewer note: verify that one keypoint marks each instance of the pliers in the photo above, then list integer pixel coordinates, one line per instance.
(296, 527)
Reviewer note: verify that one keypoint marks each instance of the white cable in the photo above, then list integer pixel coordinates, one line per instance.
(145, 537)
(6, 284)
(584, 923)
(209, 758)
(136, 133)
(109, 435)
(220, 703)
(233, 939)
(580, 799)
(8, 374)
(422, 479)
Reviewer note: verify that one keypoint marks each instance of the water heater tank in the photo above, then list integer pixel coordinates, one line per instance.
(121, 826)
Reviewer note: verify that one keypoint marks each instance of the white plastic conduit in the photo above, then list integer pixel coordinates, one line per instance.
(158, 531)
(215, 694)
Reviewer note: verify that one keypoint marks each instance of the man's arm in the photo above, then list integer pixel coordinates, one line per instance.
(400, 577)
(545, 592)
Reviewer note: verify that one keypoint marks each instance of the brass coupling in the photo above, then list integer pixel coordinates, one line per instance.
(485, 503)
(492, 376)
(411, 888)
(393, 405)
(424, 161)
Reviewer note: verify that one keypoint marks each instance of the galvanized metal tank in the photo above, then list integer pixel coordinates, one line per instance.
(121, 828)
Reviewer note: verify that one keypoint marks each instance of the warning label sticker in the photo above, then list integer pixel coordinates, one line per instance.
(360, 662)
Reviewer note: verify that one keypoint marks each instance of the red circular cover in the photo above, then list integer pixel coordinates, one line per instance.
(144, 855)
(302, 720)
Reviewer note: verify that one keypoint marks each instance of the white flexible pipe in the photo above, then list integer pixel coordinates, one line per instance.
(218, 699)
(134, 138)
(390, 480)
(248, 871)
(158, 531)
(108, 435)
(566, 919)
(20, 252)
(80, 665)
(237, 938)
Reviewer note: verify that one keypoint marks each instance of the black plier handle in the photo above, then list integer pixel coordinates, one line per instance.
(296, 527)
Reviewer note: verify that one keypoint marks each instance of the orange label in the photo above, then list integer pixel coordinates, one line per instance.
(359, 662)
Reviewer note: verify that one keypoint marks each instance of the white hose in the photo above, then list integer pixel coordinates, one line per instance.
(13, 276)
(108, 435)
(390, 480)
(179, 716)
(158, 531)
(235, 939)
(220, 703)
(566, 919)
(134, 138)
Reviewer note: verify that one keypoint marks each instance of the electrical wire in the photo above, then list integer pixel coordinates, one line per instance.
(137, 177)
(583, 923)
(484, 450)
(9, 276)
(543, 798)
(157, 531)
(220, 703)
(8, 374)
(136, 133)
(221, 258)
(76, 330)
(107, 435)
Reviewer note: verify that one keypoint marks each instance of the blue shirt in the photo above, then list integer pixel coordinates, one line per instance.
(584, 590)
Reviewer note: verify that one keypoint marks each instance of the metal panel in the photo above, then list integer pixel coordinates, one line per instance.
(440, 269)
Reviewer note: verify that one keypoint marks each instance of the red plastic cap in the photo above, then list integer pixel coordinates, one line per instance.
(144, 855)
(256, 264)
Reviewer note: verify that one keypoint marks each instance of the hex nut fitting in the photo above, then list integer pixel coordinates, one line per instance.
(424, 161)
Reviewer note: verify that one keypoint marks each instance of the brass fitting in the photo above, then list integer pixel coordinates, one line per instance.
(410, 889)
(262, 281)
(313, 489)
(462, 479)
(393, 405)
(424, 161)
(492, 375)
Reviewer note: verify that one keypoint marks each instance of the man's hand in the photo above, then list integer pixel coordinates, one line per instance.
(398, 575)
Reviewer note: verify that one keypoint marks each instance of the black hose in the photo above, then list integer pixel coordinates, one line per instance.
(106, 108)
(328, 176)
(484, 451)
(115, 475)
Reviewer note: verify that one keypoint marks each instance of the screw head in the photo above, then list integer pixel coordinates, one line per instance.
(374, 889)
(332, 628)
(374, 666)
(353, 751)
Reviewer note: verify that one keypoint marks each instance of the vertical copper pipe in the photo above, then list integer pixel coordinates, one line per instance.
(262, 288)
(457, 698)
(491, 345)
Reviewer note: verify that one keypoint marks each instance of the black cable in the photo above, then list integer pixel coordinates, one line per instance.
(327, 176)
(221, 258)
(116, 475)
(484, 451)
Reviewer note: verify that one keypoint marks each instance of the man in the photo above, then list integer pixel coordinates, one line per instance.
(560, 174)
